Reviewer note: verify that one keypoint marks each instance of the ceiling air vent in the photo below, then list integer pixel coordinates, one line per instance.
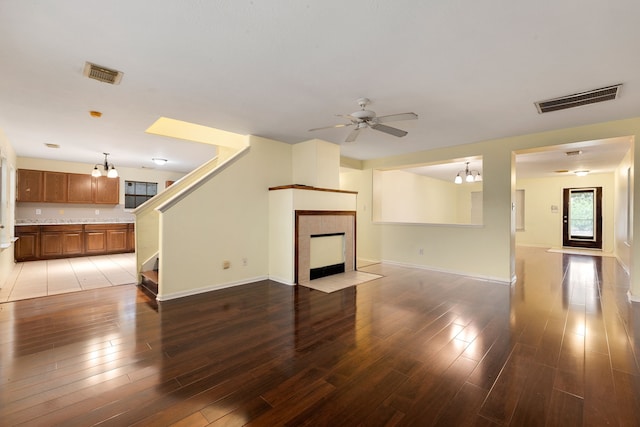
(608, 93)
(102, 74)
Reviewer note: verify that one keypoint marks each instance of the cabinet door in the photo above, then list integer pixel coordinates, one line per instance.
(95, 241)
(29, 186)
(117, 240)
(107, 190)
(72, 243)
(79, 188)
(51, 245)
(26, 247)
(55, 187)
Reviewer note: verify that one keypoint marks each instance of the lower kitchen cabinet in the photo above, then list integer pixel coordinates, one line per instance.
(61, 241)
(27, 247)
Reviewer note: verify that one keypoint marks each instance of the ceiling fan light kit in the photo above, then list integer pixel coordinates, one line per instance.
(368, 119)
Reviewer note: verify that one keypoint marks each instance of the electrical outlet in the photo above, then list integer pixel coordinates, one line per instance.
(226, 264)
(38, 211)
(97, 211)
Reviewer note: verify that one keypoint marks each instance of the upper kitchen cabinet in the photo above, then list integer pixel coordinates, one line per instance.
(55, 187)
(30, 185)
(80, 188)
(61, 187)
(107, 190)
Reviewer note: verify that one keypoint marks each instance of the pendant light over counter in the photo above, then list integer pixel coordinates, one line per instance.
(109, 168)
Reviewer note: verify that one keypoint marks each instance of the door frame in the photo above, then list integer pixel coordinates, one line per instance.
(577, 242)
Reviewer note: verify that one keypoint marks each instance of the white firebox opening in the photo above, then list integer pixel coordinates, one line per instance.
(326, 250)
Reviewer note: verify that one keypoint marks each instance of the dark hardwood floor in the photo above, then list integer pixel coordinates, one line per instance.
(416, 348)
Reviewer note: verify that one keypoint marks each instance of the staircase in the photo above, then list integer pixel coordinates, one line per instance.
(149, 283)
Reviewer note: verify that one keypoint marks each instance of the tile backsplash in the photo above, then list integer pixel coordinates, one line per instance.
(63, 213)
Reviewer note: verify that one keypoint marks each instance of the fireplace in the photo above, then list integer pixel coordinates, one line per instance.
(296, 213)
(325, 244)
(326, 255)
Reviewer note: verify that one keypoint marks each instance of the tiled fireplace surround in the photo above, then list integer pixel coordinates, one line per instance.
(322, 222)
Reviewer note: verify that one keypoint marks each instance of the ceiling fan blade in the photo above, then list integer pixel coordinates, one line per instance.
(389, 130)
(341, 125)
(397, 117)
(352, 135)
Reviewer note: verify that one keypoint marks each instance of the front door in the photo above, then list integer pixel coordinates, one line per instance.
(582, 217)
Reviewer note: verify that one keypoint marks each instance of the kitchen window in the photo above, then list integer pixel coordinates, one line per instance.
(137, 192)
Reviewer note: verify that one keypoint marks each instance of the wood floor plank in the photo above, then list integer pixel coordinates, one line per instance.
(416, 347)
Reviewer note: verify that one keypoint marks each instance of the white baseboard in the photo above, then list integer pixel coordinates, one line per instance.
(202, 290)
(281, 281)
(500, 280)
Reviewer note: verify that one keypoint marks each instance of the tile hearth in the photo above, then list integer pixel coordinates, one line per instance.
(339, 281)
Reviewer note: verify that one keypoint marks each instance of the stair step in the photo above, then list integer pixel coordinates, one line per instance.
(150, 282)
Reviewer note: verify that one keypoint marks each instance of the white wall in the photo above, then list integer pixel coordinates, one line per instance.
(6, 255)
(543, 227)
(227, 218)
(623, 237)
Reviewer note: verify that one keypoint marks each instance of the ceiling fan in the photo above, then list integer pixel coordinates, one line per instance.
(367, 119)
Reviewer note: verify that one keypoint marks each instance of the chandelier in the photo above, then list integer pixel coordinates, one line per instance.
(469, 175)
(109, 168)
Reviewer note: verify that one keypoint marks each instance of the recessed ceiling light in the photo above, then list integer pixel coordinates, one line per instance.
(158, 161)
(47, 144)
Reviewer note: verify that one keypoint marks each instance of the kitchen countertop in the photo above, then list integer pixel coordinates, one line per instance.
(73, 221)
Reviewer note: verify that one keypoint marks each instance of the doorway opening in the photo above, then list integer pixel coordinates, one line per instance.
(582, 217)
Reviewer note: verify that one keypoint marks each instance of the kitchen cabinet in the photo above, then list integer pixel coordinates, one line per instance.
(70, 240)
(60, 240)
(27, 247)
(62, 187)
(117, 240)
(29, 185)
(107, 190)
(95, 241)
(80, 188)
(54, 187)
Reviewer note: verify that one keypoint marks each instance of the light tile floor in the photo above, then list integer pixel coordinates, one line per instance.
(40, 278)
(339, 281)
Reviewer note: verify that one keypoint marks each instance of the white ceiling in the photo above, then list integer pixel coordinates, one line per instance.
(471, 71)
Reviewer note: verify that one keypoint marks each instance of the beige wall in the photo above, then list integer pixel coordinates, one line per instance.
(407, 197)
(6, 254)
(543, 227)
(225, 219)
(368, 246)
(486, 251)
(316, 163)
